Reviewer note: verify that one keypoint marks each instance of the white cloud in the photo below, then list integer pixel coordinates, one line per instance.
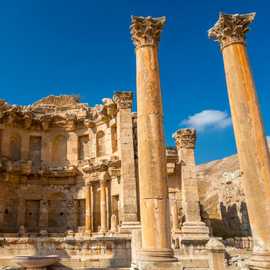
(268, 139)
(208, 119)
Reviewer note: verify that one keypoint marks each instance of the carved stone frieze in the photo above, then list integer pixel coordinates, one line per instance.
(185, 138)
(102, 165)
(145, 31)
(231, 28)
(123, 100)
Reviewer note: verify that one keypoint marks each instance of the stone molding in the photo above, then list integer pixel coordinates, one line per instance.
(185, 138)
(145, 31)
(231, 28)
(102, 165)
(25, 168)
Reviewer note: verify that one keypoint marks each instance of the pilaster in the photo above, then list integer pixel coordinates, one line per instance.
(129, 190)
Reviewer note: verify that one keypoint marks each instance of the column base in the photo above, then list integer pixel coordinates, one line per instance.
(87, 233)
(194, 231)
(259, 260)
(156, 255)
(159, 266)
(36, 268)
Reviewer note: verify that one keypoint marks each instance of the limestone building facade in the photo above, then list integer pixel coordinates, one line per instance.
(68, 167)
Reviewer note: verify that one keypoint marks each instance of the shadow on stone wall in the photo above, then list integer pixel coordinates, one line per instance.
(234, 221)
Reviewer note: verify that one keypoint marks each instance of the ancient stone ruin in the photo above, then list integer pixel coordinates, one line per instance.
(96, 187)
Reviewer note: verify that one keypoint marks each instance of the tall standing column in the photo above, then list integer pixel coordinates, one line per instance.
(88, 220)
(103, 205)
(253, 152)
(156, 238)
(193, 228)
(128, 194)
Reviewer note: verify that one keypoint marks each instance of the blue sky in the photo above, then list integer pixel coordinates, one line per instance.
(84, 47)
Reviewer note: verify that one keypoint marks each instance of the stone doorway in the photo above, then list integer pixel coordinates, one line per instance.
(32, 213)
(8, 216)
(57, 215)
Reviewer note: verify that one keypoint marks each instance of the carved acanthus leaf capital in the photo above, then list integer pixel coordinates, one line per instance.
(123, 100)
(145, 31)
(185, 138)
(231, 28)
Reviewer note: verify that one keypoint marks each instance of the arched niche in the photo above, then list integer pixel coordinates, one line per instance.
(59, 150)
(83, 147)
(15, 147)
(100, 143)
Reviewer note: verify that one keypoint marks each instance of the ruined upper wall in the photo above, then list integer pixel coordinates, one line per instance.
(56, 111)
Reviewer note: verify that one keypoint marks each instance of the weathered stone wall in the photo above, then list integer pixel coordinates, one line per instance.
(49, 152)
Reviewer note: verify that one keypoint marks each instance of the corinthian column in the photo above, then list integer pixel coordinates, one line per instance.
(253, 153)
(156, 239)
(193, 228)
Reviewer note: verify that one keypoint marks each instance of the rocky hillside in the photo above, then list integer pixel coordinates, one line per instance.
(222, 197)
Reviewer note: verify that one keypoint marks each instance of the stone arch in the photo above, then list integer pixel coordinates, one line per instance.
(59, 150)
(101, 147)
(15, 147)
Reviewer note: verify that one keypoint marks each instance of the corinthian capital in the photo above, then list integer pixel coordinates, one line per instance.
(231, 28)
(145, 31)
(123, 100)
(185, 138)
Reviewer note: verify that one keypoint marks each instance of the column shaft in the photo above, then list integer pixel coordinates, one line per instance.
(103, 211)
(251, 143)
(190, 187)
(88, 221)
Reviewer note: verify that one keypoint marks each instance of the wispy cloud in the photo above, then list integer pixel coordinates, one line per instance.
(208, 119)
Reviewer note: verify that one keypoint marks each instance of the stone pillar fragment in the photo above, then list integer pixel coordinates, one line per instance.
(216, 254)
(21, 213)
(175, 225)
(88, 220)
(154, 204)
(43, 219)
(252, 148)
(193, 228)
(128, 194)
(113, 223)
